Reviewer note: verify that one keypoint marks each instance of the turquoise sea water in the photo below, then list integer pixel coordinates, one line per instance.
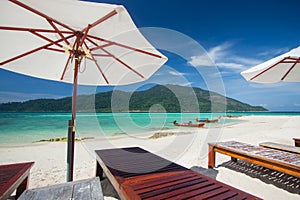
(25, 128)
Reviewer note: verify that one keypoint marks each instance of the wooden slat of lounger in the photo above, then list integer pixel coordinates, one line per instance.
(162, 192)
(214, 193)
(170, 181)
(187, 192)
(225, 195)
(161, 182)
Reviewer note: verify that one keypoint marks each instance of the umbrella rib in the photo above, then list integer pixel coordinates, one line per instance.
(290, 69)
(124, 46)
(30, 52)
(57, 50)
(45, 38)
(31, 29)
(40, 14)
(58, 31)
(85, 35)
(111, 55)
(123, 63)
(96, 63)
(99, 68)
(254, 77)
(101, 55)
(104, 18)
(65, 68)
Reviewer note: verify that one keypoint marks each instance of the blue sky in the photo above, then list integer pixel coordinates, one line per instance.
(235, 34)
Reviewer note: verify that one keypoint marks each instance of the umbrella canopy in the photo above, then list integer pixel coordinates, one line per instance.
(75, 42)
(40, 39)
(285, 67)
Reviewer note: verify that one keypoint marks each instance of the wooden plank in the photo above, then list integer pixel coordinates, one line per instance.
(161, 182)
(96, 190)
(191, 192)
(175, 189)
(281, 147)
(226, 195)
(58, 192)
(215, 193)
(89, 189)
(182, 193)
(81, 190)
(144, 175)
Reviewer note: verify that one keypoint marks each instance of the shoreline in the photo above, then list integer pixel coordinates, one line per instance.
(188, 150)
(148, 133)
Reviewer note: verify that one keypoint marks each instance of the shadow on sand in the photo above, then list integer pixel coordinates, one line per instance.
(278, 179)
(207, 172)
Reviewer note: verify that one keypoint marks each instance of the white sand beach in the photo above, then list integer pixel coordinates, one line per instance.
(185, 146)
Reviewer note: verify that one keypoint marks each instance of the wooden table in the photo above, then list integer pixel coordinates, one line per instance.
(14, 177)
(283, 161)
(89, 189)
(138, 174)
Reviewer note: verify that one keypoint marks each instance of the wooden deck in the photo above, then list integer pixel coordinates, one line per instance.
(138, 174)
(283, 161)
(89, 189)
(14, 177)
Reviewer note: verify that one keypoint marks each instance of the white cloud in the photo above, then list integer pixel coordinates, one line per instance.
(167, 75)
(209, 58)
(224, 57)
(274, 52)
(175, 73)
(230, 65)
(201, 60)
(246, 61)
(220, 51)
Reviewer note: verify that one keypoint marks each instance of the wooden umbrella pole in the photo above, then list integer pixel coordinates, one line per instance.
(72, 125)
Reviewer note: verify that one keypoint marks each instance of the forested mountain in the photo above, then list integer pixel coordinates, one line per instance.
(167, 98)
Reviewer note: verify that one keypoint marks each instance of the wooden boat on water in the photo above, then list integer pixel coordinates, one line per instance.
(189, 124)
(208, 120)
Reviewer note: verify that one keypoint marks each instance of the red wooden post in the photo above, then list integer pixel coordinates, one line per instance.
(211, 156)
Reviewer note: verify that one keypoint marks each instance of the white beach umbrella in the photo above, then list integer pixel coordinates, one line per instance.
(285, 67)
(75, 42)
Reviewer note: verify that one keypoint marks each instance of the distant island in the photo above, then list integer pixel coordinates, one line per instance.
(160, 98)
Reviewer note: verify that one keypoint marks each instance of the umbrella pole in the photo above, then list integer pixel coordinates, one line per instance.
(71, 129)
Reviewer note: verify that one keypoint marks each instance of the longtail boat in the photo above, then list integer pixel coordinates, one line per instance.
(188, 124)
(206, 120)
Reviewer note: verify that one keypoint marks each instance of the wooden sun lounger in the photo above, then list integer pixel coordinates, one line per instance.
(14, 177)
(138, 174)
(281, 147)
(283, 161)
